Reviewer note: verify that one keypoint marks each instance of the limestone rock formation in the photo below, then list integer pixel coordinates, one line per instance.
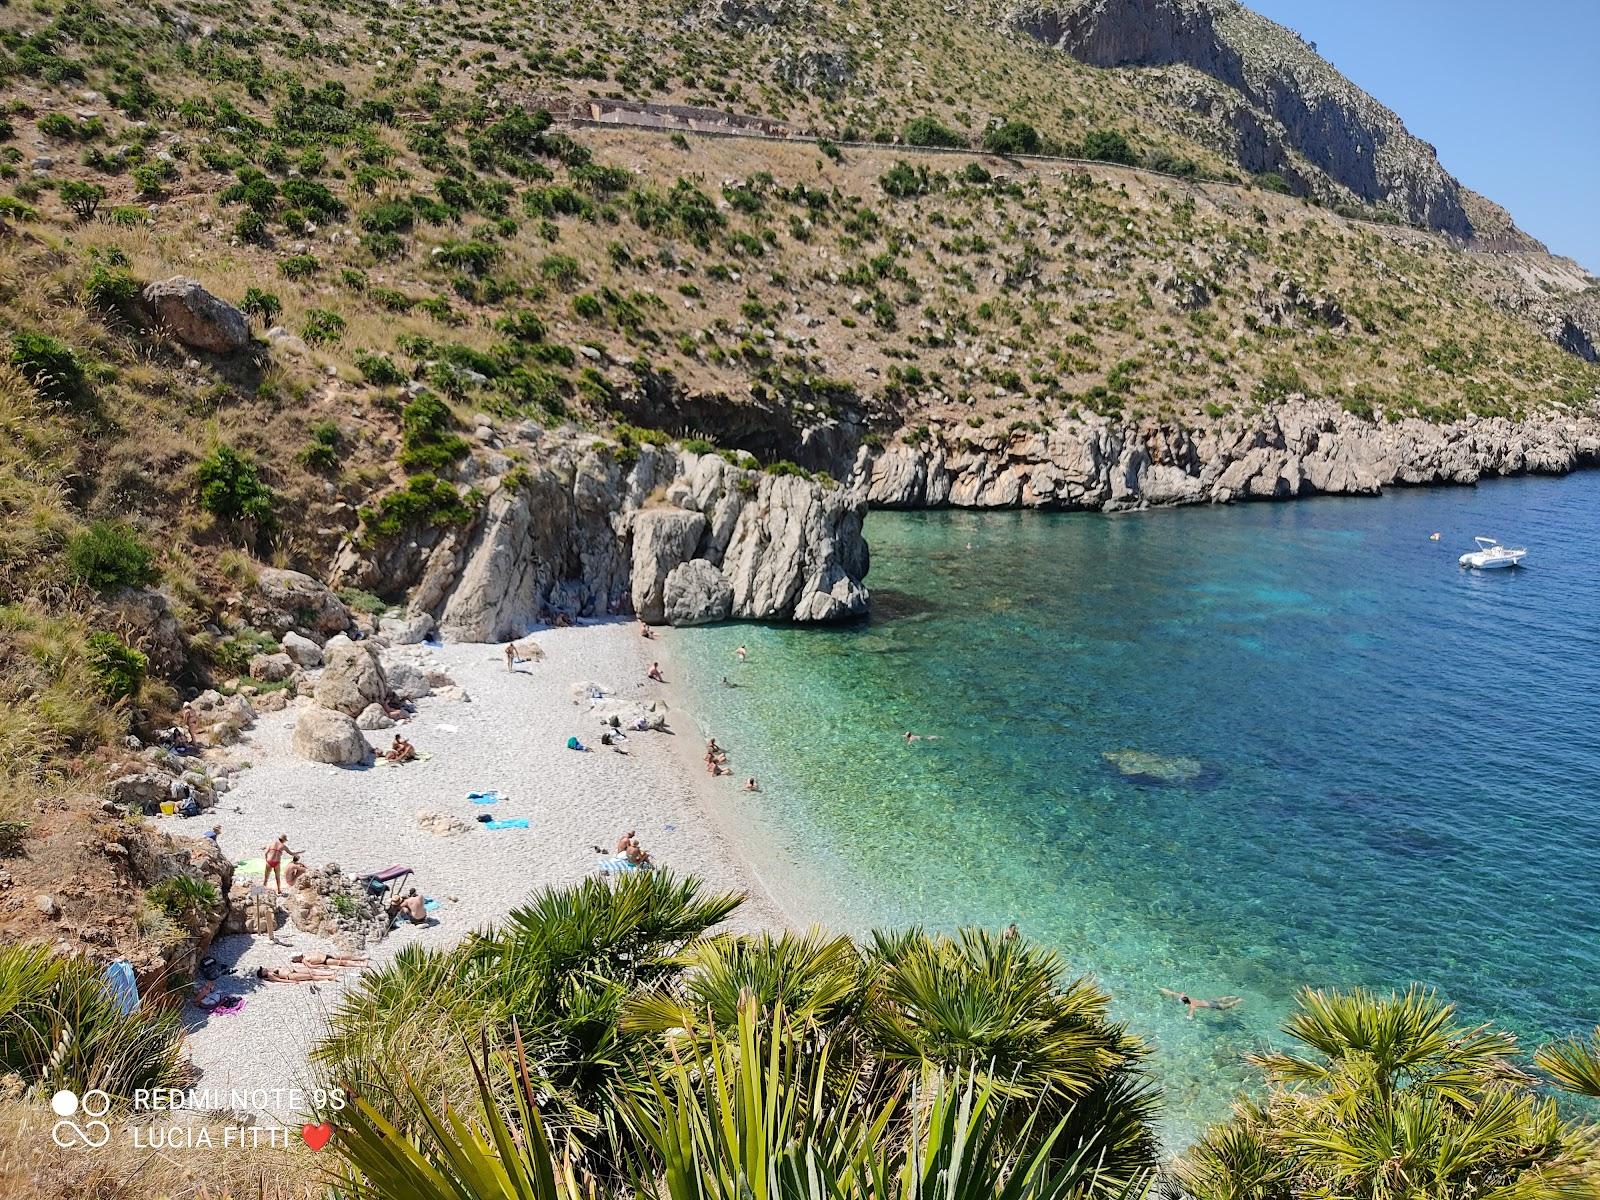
(302, 650)
(284, 600)
(1299, 448)
(405, 680)
(196, 317)
(580, 535)
(662, 539)
(373, 716)
(330, 905)
(1290, 105)
(696, 593)
(352, 679)
(149, 624)
(325, 736)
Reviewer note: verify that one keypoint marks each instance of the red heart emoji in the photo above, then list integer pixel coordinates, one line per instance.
(316, 1136)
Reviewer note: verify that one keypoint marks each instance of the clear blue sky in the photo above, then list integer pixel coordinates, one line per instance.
(1509, 93)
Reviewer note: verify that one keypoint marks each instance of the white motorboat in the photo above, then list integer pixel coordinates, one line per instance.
(1491, 553)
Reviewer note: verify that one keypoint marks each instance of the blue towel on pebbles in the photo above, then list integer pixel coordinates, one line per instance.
(430, 904)
(509, 823)
(483, 797)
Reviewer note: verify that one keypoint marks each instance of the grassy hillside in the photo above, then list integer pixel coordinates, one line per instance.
(377, 188)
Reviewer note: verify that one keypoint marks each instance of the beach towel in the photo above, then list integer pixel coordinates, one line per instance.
(430, 905)
(484, 797)
(251, 867)
(619, 864)
(228, 1006)
(122, 985)
(508, 823)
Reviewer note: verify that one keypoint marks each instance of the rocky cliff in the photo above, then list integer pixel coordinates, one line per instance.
(1301, 449)
(588, 530)
(1280, 100)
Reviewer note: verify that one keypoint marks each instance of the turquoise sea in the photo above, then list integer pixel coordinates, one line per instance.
(1369, 766)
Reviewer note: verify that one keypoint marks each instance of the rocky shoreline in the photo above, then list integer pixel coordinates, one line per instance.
(1302, 449)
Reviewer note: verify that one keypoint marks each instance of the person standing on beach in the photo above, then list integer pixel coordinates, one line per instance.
(273, 853)
(511, 656)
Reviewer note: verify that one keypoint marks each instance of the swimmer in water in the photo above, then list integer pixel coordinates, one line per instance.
(1191, 1003)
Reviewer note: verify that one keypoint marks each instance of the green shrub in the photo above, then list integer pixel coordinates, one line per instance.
(363, 601)
(903, 180)
(231, 488)
(379, 370)
(427, 442)
(424, 501)
(299, 266)
(82, 198)
(1274, 182)
(108, 555)
(13, 832)
(49, 364)
(561, 269)
(927, 131)
(1013, 137)
(323, 454)
(109, 287)
(587, 307)
(1107, 145)
(118, 666)
(321, 326)
(265, 305)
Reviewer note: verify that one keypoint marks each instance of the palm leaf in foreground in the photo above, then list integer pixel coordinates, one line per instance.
(1573, 1064)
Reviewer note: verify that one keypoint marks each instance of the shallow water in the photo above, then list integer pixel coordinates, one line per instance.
(1336, 757)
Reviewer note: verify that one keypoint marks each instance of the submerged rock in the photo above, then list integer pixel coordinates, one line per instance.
(1141, 764)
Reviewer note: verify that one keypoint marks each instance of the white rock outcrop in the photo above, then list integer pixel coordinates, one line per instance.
(325, 736)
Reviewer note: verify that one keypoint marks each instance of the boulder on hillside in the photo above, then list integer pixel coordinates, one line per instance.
(325, 736)
(302, 650)
(696, 593)
(407, 630)
(663, 538)
(151, 626)
(406, 680)
(285, 600)
(196, 317)
(352, 680)
(271, 668)
(373, 716)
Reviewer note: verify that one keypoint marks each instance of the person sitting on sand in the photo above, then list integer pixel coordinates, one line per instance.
(411, 906)
(296, 974)
(574, 744)
(1191, 1003)
(211, 835)
(295, 871)
(638, 855)
(714, 752)
(330, 960)
(272, 855)
(646, 632)
(626, 840)
(750, 785)
(655, 673)
(401, 751)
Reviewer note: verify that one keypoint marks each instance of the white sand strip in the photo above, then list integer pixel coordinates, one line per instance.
(510, 737)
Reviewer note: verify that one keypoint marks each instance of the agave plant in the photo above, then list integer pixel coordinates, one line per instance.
(1573, 1064)
(1392, 1098)
(1004, 1008)
(61, 1027)
(740, 1118)
(559, 970)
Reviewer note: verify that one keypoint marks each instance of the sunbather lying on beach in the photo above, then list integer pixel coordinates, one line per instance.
(1191, 1003)
(296, 974)
(400, 751)
(330, 960)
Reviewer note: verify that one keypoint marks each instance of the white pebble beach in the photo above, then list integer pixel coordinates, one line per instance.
(510, 736)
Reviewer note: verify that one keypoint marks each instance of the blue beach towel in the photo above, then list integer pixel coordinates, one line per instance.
(430, 905)
(619, 864)
(123, 987)
(508, 823)
(484, 797)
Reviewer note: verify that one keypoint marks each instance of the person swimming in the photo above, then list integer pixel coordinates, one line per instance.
(1189, 1002)
(920, 737)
